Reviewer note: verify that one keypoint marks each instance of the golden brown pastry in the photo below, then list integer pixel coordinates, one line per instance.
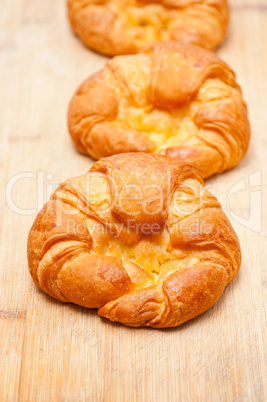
(126, 26)
(177, 100)
(139, 238)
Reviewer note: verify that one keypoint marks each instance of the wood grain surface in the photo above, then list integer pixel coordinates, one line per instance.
(61, 352)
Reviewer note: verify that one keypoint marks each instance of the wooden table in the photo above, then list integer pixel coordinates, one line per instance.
(58, 352)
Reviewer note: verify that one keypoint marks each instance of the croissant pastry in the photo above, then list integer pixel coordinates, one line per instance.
(180, 101)
(125, 26)
(139, 238)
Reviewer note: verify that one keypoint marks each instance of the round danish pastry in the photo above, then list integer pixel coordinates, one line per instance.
(177, 100)
(125, 26)
(139, 238)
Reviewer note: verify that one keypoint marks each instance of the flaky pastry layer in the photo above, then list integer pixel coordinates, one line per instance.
(177, 100)
(116, 27)
(138, 237)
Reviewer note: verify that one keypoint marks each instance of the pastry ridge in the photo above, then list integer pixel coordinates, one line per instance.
(177, 100)
(139, 238)
(127, 26)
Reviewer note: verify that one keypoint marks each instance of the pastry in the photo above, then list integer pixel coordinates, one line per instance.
(177, 100)
(123, 27)
(139, 238)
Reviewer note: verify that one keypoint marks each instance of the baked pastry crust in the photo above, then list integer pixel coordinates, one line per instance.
(125, 26)
(177, 100)
(139, 238)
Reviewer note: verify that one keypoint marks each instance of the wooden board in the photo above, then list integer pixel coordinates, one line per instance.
(59, 352)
